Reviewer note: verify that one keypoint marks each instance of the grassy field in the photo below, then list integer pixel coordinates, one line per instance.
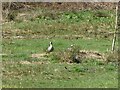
(30, 33)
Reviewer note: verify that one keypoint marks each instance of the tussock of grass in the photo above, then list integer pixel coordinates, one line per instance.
(112, 57)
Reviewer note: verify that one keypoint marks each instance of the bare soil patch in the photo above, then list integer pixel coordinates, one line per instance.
(92, 54)
(39, 55)
(28, 63)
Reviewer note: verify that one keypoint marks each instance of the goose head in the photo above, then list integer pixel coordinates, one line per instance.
(50, 43)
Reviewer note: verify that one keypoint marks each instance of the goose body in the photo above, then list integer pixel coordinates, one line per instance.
(76, 59)
(50, 48)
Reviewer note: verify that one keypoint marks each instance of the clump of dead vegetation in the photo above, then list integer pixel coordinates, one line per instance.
(112, 57)
(74, 54)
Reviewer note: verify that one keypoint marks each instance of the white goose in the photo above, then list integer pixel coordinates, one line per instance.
(50, 48)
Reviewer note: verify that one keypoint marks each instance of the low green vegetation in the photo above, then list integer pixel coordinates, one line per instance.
(87, 23)
(29, 34)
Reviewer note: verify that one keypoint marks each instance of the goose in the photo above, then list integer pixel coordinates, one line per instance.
(76, 58)
(50, 48)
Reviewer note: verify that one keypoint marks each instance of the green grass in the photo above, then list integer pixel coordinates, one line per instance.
(28, 46)
(53, 26)
(55, 75)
